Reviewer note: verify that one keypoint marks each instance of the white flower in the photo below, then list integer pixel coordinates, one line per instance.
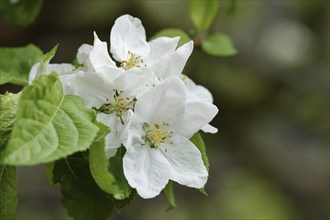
(130, 49)
(112, 98)
(83, 58)
(157, 139)
(198, 93)
(101, 62)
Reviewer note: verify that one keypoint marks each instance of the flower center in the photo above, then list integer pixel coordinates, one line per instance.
(157, 134)
(119, 106)
(132, 61)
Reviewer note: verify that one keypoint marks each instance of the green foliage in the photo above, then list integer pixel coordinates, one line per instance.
(22, 13)
(48, 125)
(81, 196)
(8, 107)
(15, 63)
(8, 192)
(219, 44)
(203, 13)
(169, 192)
(120, 204)
(108, 173)
(197, 140)
(45, 60)
(173, 32)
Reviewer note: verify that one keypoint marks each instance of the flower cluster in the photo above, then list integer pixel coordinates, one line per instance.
(152, 109)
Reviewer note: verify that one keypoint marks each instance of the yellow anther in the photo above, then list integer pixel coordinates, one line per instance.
(132, 61)
(156, 135)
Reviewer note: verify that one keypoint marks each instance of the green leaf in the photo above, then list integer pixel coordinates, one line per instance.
(197, 140)
(81, 196)
(22, 13)
(203, 12)
(169, 192)
(48, 125)
(120, 204)
(219, 44)
(49, 55)
(173, 32)
(45, 61)
(108, 173)
(15, 63)
(8, 192)
(8, 107)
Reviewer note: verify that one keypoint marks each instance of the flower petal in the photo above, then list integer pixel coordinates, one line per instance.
(83, 56)
(135, 82)
(93, 88)
(101, 61)
(146, 170)
(60, 69)
(196, 116)
(161, 51)
(179, 59)
(113, 139)
(163, 103)
(128, 34)
(197, 92)
(209, 129)
(133, 132)
(186, 164)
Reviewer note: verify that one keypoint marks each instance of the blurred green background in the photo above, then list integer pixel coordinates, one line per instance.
(270, 158)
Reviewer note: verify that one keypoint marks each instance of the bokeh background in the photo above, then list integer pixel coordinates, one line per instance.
(270, 158)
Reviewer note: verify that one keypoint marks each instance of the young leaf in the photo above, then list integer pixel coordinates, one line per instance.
(108, 173)
(197, 140)
(22, 12)
(8, 192)
(173, 32)
(8, 107)
(81, 196)
(15, 63)
(45, 60)
(169, 192)
(203, 13)
(48, 125)
(219, 44)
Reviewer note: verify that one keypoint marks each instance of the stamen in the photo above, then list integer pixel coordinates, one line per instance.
(132, 61)
(157, 134)
(119, 104)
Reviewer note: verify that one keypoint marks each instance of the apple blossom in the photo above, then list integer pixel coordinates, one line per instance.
(157, 139)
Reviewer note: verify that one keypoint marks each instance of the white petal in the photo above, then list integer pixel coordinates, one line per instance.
(132, 133)
(83, 54)
(161, 51)
(135, 82)
(197, 93)
(179, 59)
(100, 59)
(60, 69)
(128, 34)
(209, 129)
(196, 116)
(186, 164)
(163, 103)
(33, 72)
(93, 88)
(113, 139)
(146, 170)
